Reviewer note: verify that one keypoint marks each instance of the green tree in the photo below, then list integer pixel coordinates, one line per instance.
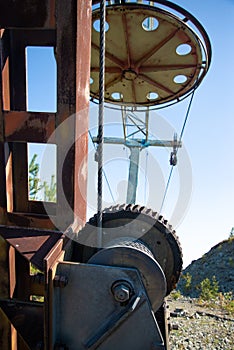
(187, 282)
(209, 289)
(50, 190)
(35, 185)
(231, 233)
(34, 181)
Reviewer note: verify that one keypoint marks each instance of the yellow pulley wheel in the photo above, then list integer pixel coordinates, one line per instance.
(153, 57)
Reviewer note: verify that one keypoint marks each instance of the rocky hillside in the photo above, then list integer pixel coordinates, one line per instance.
(218, 262)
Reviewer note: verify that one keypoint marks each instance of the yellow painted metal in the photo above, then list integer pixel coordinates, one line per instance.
(142, 59)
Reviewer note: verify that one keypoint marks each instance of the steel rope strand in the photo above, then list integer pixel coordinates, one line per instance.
(104, 173)
(101, 119)
(180, 139)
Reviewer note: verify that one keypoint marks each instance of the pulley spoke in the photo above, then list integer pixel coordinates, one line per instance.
(166, 67)
(151, 52)
(110, 56)
(154, 83)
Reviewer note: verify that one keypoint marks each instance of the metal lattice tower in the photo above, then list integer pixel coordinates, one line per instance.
(157, 54)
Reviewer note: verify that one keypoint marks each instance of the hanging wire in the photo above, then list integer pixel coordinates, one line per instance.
(101, 119)
(146, 170)
(104, 173)
(109, 187)
(176, 150)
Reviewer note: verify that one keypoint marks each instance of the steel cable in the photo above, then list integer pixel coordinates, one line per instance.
(104, 173)
(180, 139)
(101, 118)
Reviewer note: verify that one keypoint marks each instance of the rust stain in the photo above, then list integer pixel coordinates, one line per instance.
(84, 17)
(26, 126)
(4, 281)
(33, 244)
(14, 121)
(51, 12)
(6, 86)
(9, 183)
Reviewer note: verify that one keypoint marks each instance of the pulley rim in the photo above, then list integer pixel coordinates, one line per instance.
(132, 84)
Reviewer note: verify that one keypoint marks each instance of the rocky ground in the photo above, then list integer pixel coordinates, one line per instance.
(199, 328)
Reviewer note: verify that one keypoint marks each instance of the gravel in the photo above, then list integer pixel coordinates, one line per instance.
(199, 329)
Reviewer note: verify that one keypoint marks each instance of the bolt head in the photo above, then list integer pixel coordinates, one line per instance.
(121, 293)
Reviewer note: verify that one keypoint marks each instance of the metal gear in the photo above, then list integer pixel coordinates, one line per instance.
(139, 224)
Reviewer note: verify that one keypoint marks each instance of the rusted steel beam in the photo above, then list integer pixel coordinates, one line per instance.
(5, 328)
(33, 244)
(37, 207)
(35, 37)
(28, 126)
(5, 42)
(16, 42)
(5, 51)
(5, 331)
(52, 255)
(84, 16)
(20, 176)
(27, 317)
(32, 14)
(66, 99)
(3, 202)
(17, 70)
(29, 220)
(4, 269)
(29, 37)
(22, 266)
(73, 67)
(72, 53)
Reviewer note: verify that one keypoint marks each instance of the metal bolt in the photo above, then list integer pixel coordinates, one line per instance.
(60, 281)
(121, 292)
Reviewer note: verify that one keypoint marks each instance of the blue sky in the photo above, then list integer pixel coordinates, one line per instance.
(208, 138)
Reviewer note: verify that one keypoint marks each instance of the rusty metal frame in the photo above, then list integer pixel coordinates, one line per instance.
(28, 232)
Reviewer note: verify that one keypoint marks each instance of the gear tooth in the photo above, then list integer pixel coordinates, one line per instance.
(148, 211)
(122, 207)
(170, 228)
(113, 208)
(154, 214)
(128, 207)
(135, 208)
(142, 209)
(92, 222)
(93, 219)
(160, 218)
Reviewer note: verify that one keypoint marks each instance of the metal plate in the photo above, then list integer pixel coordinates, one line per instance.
(85, 315)
(33, 244)
(143, 66)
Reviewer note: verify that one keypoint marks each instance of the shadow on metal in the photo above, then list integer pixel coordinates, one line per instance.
(27, 318)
